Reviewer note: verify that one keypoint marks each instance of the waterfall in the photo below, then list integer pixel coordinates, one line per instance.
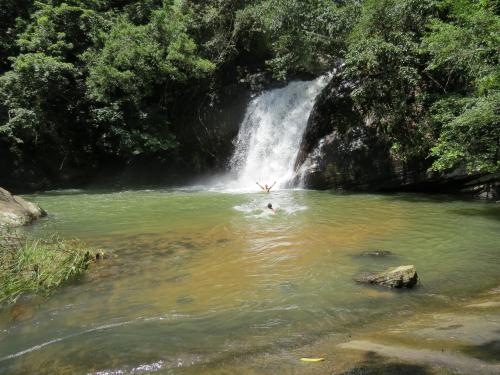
(271, 132)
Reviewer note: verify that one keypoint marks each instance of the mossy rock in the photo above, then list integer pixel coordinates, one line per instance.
(398, 277)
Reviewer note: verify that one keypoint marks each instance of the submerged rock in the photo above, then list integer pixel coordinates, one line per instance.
(184, 300)
(398, 277)
(376, 253)
(21, 312)
(15, 211)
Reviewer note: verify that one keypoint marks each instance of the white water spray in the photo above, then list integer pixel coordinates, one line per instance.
(271, 132)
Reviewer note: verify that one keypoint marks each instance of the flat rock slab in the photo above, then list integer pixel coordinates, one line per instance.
(466, 330)
(398, 277)
(494, 290)
(485, 305)
(457, 362)
(15, 211)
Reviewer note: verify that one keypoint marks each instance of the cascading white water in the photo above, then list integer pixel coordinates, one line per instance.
(271, 132)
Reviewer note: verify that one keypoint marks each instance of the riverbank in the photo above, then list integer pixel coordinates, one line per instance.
(38, 266)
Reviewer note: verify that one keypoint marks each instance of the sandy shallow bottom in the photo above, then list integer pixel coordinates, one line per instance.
(462, 340)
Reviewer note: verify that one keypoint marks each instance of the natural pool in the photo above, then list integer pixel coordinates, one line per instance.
(204, 281)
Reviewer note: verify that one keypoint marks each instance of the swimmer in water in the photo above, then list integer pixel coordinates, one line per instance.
(266, 188)
(270, 206)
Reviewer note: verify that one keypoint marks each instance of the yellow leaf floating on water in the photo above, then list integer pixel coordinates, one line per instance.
(312, 359)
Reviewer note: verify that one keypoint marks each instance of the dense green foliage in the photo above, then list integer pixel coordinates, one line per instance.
(38, 266)
(385, 62)
(427, 75)
(303, 36)
(465, 56)
(88, 82)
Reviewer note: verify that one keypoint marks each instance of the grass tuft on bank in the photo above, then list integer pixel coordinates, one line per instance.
(39, 266)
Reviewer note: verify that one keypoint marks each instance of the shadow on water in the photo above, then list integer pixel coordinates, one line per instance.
(373, 364)
(490, 211)
(412, 197)
(428, 197)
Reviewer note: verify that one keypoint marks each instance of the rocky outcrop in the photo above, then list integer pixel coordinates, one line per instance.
(354, 159)
(399, 277)
(483, 187)
(343, 150)
(333, 109)
(15, 211)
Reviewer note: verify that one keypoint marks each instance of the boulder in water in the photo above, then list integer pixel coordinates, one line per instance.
(21, 312)
(398, 277)
(15, 211)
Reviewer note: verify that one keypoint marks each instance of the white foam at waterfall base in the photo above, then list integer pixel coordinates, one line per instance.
(270, 135)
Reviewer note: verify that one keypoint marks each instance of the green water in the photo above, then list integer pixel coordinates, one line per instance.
(199, 280)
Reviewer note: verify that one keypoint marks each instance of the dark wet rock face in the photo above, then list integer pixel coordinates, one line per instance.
(484, 187)
(354, 160)
(15, 211)
(342, 149)
(398, 277)
(333, 110)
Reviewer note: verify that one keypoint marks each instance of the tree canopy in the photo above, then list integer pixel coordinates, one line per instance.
(83, 82)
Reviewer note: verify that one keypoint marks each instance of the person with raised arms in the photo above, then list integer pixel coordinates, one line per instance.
(266, 188)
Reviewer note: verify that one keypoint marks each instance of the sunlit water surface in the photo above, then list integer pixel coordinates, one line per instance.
(199, 278)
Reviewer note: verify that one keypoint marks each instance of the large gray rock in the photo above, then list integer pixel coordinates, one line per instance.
(398, 277)
(333, 110)
(343, 150)
(15, 211)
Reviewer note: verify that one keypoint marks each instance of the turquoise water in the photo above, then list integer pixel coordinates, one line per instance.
(199, 280)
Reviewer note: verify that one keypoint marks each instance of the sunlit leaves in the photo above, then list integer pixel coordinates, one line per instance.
(465, 57)
(470, 135)
(304, 36)
(384, 63)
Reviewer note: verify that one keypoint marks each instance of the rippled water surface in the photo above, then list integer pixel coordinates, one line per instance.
(200, 279)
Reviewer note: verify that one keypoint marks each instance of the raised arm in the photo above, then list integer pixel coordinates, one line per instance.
(270, 187)
(262, 187)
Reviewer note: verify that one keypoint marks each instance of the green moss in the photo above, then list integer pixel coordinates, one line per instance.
(39, 265)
